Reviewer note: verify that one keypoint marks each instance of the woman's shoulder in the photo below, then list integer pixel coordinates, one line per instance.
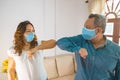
(11, 52)
(39, 42)
(11, 49)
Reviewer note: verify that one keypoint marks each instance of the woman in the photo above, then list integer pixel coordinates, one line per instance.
(25, 56)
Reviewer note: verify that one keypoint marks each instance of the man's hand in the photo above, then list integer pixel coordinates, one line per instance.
(83, 53)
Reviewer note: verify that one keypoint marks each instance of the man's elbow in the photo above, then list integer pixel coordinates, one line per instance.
(61, 43)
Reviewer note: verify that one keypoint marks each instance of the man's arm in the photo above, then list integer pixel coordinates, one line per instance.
(71, 44)
(117, 69)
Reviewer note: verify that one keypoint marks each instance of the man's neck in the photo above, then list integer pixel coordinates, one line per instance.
(98, 42)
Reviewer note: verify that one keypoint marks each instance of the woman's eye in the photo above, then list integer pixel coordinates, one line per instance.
(28, 31)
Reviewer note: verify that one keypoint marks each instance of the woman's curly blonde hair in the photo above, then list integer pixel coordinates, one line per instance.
(19, 37)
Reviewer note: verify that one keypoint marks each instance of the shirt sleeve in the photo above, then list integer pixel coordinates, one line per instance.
(11, 52)
(40, 51)
(39, 42)
(117, 69)
(71, 44)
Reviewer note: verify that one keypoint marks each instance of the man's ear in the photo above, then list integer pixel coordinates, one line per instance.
(99, 30)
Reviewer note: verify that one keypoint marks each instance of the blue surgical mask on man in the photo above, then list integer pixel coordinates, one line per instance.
(88, 34)
(29, 37)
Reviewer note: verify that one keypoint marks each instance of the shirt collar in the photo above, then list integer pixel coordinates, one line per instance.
(106, 42)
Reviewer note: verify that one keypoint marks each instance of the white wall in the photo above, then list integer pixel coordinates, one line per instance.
(51, 18)
(70, 17)
(14, 11)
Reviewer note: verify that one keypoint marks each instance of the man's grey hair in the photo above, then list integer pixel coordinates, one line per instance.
(100, 20)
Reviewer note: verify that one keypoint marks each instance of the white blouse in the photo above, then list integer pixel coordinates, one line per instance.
(29, 68)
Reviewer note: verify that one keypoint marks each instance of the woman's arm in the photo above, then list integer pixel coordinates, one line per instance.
(44, 45)
(47, 44)
(11, 69)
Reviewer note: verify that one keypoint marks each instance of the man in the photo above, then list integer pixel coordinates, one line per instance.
(97, 57)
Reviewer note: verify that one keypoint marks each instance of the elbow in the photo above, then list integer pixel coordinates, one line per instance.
(58, 43)
(53, 43)
(62, 43)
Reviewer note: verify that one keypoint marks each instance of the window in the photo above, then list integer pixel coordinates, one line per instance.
(112, 12)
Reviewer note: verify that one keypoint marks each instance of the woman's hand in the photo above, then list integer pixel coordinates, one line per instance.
(83, 53)
(44, 45)
(31, 52)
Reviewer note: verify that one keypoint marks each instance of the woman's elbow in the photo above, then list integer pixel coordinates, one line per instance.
(53, 43)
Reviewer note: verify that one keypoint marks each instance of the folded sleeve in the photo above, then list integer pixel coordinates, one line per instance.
(40, 52)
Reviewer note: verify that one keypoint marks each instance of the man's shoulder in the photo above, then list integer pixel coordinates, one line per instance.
(77, 36)
(112, 44)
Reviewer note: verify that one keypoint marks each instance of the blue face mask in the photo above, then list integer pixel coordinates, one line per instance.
(29, 37)
(88, 34)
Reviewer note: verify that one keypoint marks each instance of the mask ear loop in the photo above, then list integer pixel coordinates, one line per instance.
(96, 26)
(96, 30)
